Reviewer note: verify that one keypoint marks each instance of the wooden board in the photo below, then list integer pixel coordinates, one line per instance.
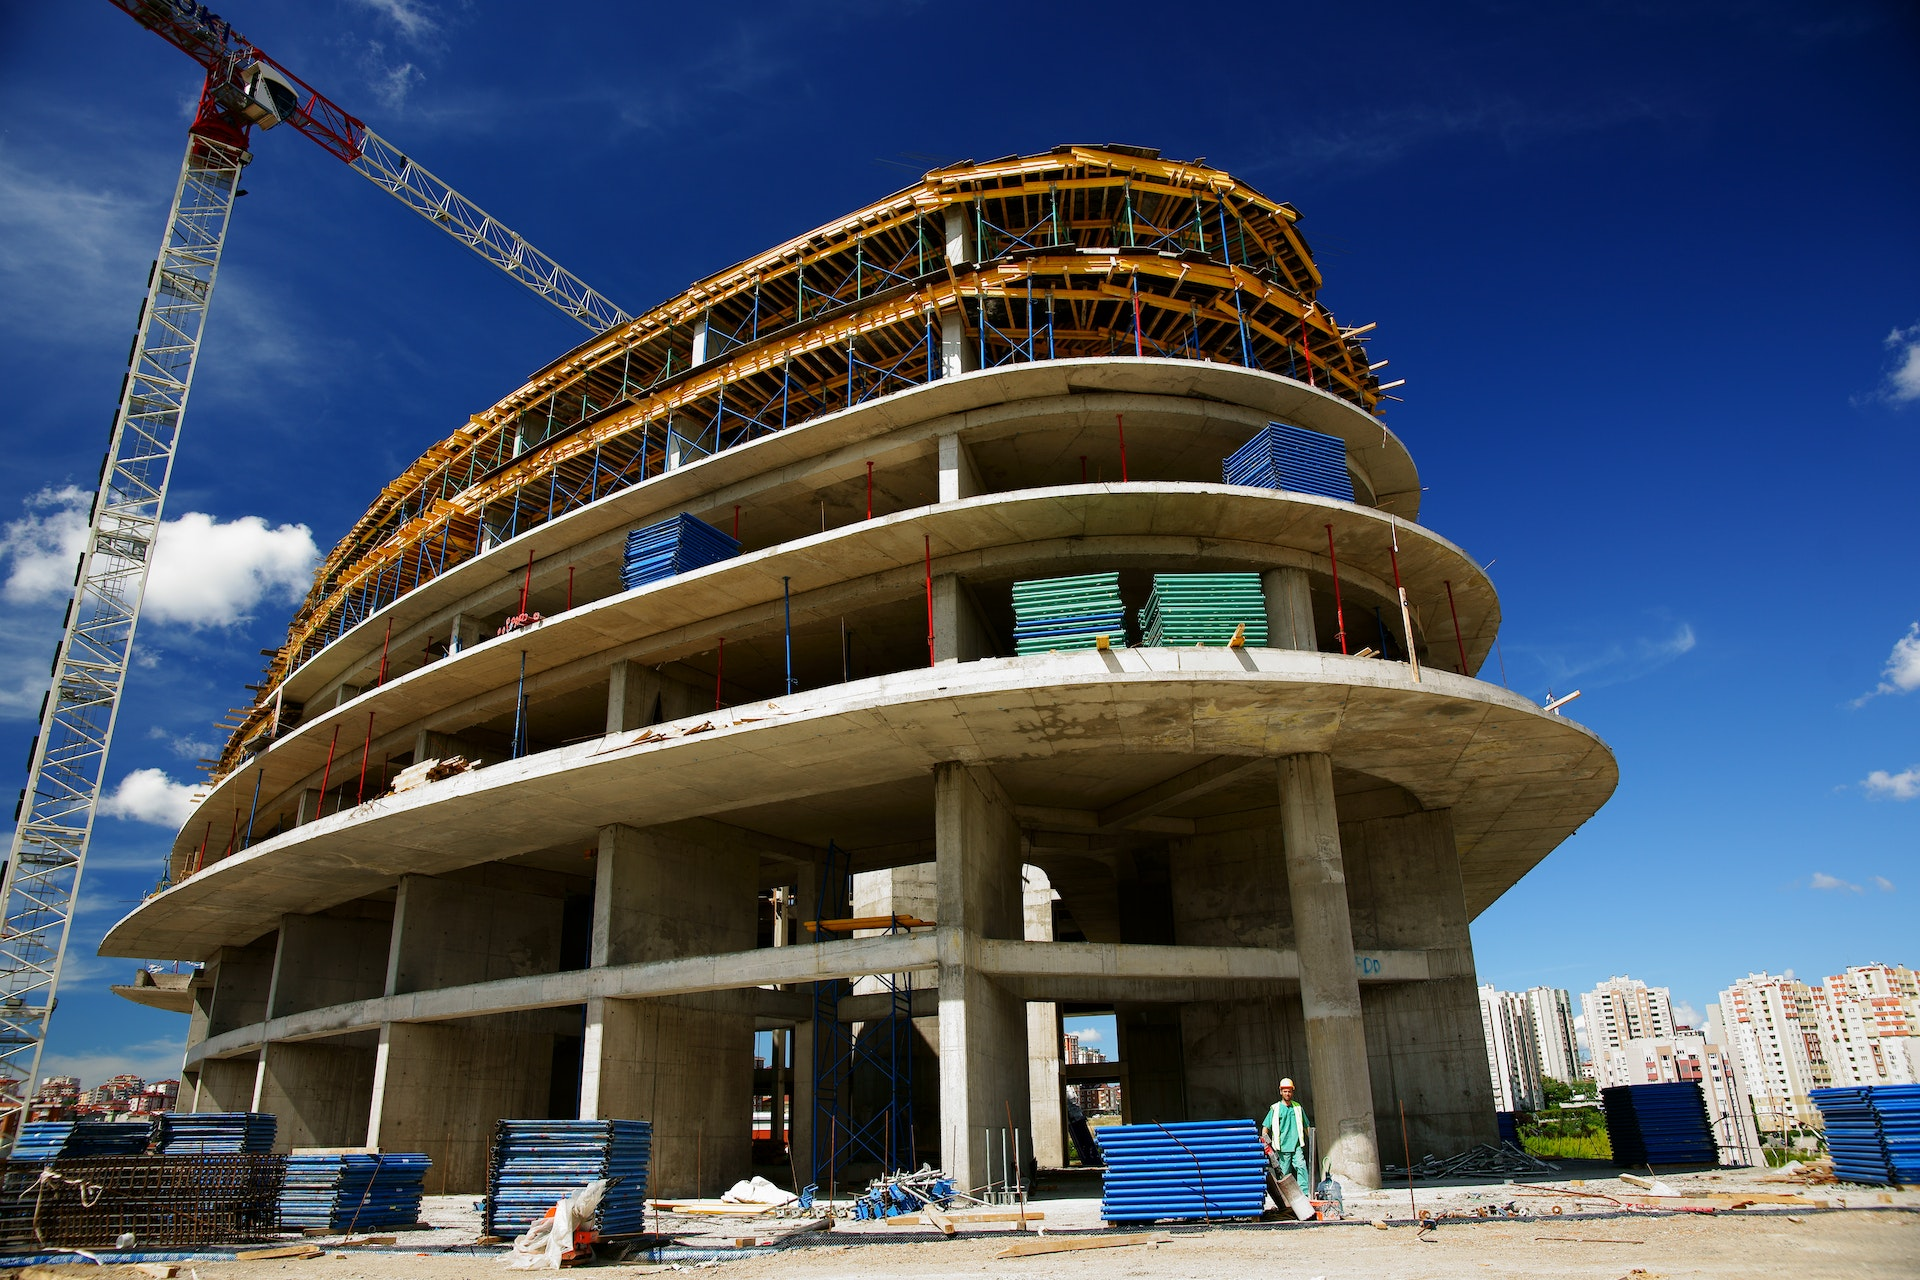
(1028, 1248)
(964, 1217)
(288, 1251)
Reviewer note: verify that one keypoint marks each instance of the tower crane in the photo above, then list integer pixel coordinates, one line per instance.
(244, 89)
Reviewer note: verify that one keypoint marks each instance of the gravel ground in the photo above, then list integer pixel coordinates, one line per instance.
(1863, 1233)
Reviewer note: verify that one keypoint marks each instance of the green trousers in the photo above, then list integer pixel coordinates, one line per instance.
(1293, 1162)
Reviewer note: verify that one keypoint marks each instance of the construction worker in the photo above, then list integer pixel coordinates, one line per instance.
(1285, 1133)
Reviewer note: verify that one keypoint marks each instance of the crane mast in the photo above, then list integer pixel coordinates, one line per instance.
(53, 821)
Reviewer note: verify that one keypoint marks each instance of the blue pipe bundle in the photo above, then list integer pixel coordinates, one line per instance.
(1286, 457)
(1204, 608)
(1202, 1169)
(204, 1133)
(353, 1192)
(1650, 1124)
(1873, 1132)
(672, 547)
(538, 1163)
(1068, 613)
(45, 1140)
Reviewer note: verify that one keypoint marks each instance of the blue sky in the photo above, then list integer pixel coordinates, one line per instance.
(1649, 270)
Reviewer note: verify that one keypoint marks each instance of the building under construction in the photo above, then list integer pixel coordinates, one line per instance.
(552, 801)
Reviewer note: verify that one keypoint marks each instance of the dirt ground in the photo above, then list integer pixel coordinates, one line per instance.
(1867, 1233)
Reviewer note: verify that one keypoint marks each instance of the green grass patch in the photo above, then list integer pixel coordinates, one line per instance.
(1583, 1146)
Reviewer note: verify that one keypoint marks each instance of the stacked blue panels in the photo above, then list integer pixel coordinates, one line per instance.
(1068, 613)
(207, 1133)
(45, 1140)
(538, 1163)
(1873, 1132)
(1287, 457)
(671, 547)
(1204, 608)
(1509, 1126)
(1204, 1169)
(353, 1192)
(1649, 1124)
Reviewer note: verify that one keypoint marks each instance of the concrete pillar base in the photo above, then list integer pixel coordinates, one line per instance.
(1339, 1090)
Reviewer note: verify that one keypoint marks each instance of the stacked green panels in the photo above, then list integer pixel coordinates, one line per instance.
(1068, 613)
(1203, 608)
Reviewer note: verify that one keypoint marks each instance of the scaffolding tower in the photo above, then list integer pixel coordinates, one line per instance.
(879, 1050)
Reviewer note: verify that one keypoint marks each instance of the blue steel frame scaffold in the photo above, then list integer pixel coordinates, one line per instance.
(883, 1046)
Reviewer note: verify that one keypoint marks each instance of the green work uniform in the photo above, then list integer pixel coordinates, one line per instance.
(1286, 1125)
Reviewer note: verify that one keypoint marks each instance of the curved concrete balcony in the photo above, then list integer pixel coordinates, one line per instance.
(1021, 425)
(1071, 735)
(879, 567)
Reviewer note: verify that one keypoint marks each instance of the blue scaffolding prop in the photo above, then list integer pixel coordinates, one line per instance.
(885, 1049)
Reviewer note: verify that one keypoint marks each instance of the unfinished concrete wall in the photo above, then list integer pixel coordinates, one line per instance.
(685, 1064)
(1230, 890)
(983, 1026)
(439, 1087)
(227, 1084)
(1425, 1042)
(322, 1091)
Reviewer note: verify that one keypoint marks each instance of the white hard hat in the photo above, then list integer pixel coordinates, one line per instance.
(1287, 1083)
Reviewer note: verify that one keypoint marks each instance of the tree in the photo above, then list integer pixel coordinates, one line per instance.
(1557, 1091)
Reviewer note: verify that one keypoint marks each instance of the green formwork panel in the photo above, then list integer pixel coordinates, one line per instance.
(1204, 608)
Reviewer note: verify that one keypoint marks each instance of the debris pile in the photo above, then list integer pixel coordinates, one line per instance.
(1483, 1159)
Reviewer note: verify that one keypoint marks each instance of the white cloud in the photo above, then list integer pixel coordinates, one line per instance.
(209, 573)
(1685, 1014)
(206, 572)
(1902, 672)
(1821, 880)
(43, 546)
(152, 1060)
(149, 795)
(1903, 379)
(1089, 1035)
(183, 747)
(391, 82)
(1883, 884)
(1882, 785)
(415, 20)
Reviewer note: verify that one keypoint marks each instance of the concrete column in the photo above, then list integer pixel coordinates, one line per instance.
(464, 634)
(638, 696)
(956, 355)
(958, 633)
(1339, 1088)
(439, 1087)
(959, 477)
(698, 353)
(686, 889)
(1289, 610)
(307, 808)
(959, 234)
(321, 1090)
(983, 1063)
(1403, 882)
(1047, 1103)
